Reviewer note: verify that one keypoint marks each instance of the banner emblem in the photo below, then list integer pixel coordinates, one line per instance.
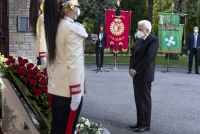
(117, 27)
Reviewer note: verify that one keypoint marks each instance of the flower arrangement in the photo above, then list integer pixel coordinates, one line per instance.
(31, 84)
(84, 126)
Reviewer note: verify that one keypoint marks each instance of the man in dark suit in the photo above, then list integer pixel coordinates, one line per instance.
(142, 68)
(193, 44)
(100, 47)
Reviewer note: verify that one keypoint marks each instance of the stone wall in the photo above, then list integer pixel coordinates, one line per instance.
(20, 43)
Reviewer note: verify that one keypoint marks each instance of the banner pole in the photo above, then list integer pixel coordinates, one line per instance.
(168, 63)
(129, 35)
(185, 31)
(115, 68)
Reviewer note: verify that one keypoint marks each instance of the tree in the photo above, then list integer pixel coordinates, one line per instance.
(93, 12)
(160, 6)
(177, 6)
(192, 19)
(150, 10)
(139, 10)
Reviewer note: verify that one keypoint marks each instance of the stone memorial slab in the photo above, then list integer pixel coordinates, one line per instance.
(15, 115)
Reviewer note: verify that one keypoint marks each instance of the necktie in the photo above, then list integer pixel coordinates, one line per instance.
(100, 38)
(140, 43)
(195, 40)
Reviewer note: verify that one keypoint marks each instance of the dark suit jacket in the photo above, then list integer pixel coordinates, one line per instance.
(191, 40)
(143, 61)
(1, 31)
(103, 41)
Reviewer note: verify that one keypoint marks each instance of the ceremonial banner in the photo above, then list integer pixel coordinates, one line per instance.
(170, 33)
(117, 30)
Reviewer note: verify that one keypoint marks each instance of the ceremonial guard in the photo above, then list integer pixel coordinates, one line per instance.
(37, 25)
(65, 63)
(40, 42)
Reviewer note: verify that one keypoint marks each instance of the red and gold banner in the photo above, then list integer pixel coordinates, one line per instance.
(117, 29)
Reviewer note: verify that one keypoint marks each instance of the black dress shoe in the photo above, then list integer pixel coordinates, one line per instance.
(134, 126)
(189, 72)
(196, 72)
(141, 129)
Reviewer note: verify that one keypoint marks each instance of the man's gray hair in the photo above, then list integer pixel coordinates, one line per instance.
(146, 24)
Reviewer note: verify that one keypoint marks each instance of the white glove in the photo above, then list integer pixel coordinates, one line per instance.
(76, 99)
(43, 61)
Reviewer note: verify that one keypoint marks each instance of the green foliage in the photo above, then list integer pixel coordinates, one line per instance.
(198, 13)
(132, 48)
(139, 12)
(192, 19)
(160, 6)
(34, 102)
(93, 13)
(90, 48)
(160, 60)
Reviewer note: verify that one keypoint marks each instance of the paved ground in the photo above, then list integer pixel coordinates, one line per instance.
(175, 99)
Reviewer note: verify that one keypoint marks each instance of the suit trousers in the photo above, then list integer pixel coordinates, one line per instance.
(99, 56)
(142, 93)
(191, 55)
(60, 114)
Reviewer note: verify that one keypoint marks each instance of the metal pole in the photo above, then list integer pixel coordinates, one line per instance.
(168, 62)
(129, 37)
(115, 68)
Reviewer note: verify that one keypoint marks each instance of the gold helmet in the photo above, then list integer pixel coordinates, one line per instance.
(68, 4)
(42, 5)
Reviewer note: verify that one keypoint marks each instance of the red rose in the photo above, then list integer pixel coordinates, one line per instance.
(22, 71)
(32, 76)
(12, 60)
(15, 67)
(38, 92)
(8, 62)
(44, 89)
(10, 57)
(43, 81)
(31, 72)
(45, 72)
(25, 60)
(21, 63)
(36, 70)
(33, 90)
(30, 65)
(33, 82)
(50, 104)
(20, 59)
(39, 76)
(49, 97)
(27, 79)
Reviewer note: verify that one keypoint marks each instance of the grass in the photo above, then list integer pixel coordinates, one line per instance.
(160, 60)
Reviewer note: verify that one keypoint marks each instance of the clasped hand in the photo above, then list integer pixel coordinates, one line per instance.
(132, 72)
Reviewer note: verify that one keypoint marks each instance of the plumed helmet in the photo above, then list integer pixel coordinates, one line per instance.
(65, 5)
(42, 5)
(75, 2)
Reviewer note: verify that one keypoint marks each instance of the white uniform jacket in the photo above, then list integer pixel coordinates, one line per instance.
(68, 69)
(40, 42)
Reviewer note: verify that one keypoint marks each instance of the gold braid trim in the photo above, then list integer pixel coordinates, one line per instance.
(169, 51)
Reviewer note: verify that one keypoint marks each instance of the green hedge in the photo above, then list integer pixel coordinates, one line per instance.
(91, 49)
